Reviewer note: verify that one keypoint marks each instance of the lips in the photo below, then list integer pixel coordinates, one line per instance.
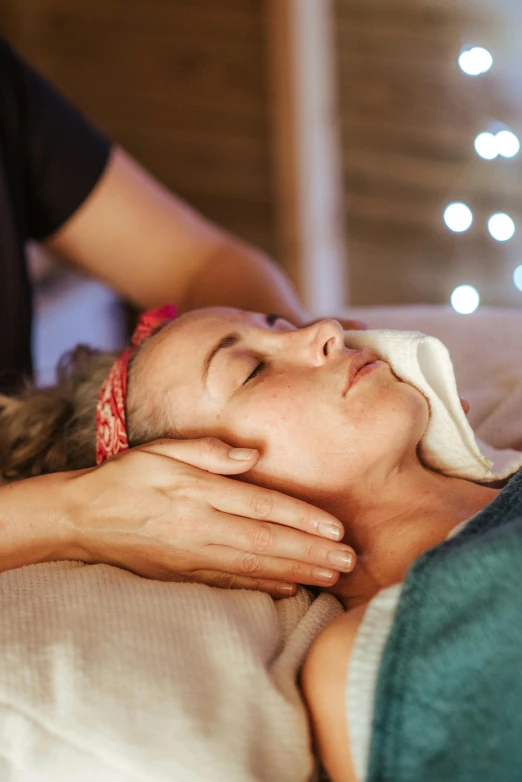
(357, 362)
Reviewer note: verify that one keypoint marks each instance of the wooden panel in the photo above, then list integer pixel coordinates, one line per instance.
(409, 118)
(181, 84)
(306, 140)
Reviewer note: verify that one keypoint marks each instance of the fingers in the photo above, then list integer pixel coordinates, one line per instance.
(465, 405)
(207, 453)
(252, 539)
(255, 502)
(244, 563)
(224, 580)
(244, 499)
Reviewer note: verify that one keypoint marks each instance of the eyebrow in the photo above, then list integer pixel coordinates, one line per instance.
(225, 342)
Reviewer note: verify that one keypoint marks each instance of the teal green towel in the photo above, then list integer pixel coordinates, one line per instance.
(448, 706)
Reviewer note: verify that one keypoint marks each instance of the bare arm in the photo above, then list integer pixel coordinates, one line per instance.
(168, 510)
(324, 686)
(153, 248)
(33, 523)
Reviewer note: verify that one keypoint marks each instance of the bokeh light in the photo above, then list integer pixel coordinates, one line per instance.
(487, 146)
(517, 278)
(465, 299)
(501, 227)
(475, 60)
(507, 143)
(458, 217)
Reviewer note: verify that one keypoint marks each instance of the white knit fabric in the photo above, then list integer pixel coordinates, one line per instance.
(109, 677)
(361, 682)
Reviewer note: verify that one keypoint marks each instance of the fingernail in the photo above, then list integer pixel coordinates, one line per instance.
(241, 454)
(286, 589)
(341, 559)
(321, 574)
(329, 530)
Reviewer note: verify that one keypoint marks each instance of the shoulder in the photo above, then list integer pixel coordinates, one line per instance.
(324, 686)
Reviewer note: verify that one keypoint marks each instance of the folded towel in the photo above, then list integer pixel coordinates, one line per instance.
(486, 351)
(449, 444)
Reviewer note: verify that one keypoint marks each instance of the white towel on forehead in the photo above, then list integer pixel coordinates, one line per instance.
(449, 444)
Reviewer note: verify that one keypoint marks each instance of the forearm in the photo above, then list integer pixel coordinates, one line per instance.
(237, 275)
(33, 522)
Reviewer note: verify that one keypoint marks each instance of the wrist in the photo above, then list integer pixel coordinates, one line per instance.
(34, 522)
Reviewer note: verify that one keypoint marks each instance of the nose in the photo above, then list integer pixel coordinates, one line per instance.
(322, 340)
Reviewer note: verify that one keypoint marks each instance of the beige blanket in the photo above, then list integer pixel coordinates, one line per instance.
(109, 677)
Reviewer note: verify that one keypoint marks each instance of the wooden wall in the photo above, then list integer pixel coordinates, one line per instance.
(409, 120)
(183, 84)
(180, 83)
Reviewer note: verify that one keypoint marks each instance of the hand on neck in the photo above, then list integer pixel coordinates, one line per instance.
(396, 519)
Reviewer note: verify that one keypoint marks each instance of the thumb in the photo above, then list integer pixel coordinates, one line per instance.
(207, 453)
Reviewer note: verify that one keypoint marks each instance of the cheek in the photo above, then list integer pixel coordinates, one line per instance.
(303, 441)
(286, 428)
(392, 418)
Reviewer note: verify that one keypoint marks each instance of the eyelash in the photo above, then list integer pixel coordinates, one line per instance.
(270, 319)
(256, 371)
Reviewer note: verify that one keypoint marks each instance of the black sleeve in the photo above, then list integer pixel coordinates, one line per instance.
(57, 156)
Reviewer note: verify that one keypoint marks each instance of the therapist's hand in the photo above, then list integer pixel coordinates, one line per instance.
(167, 511)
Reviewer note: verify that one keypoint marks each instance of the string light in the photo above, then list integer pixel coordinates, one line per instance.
(465, 299)
(490, 145)
(497, 140)
(486, 145)
(475, 60)
(501, 227)
(458, 217)
(508, 143)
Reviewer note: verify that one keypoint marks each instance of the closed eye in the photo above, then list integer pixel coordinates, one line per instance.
(256, 371)
(271, 320)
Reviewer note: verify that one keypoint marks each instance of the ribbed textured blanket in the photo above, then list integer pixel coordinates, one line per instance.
(111, 677)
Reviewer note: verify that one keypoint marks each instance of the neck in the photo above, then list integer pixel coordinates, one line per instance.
(412, 511)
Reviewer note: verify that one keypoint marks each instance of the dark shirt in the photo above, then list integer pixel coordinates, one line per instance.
(50, 160)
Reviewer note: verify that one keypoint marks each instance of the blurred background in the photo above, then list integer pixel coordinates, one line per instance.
(371, 144)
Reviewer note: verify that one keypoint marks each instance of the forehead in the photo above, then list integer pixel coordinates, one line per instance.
(179, 350)
(200, 328)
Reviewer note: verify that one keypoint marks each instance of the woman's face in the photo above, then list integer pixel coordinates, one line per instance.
(256, 381)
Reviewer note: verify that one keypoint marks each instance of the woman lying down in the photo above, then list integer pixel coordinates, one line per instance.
(419, 678)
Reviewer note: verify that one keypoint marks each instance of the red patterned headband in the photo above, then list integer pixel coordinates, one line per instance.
(111, 425)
